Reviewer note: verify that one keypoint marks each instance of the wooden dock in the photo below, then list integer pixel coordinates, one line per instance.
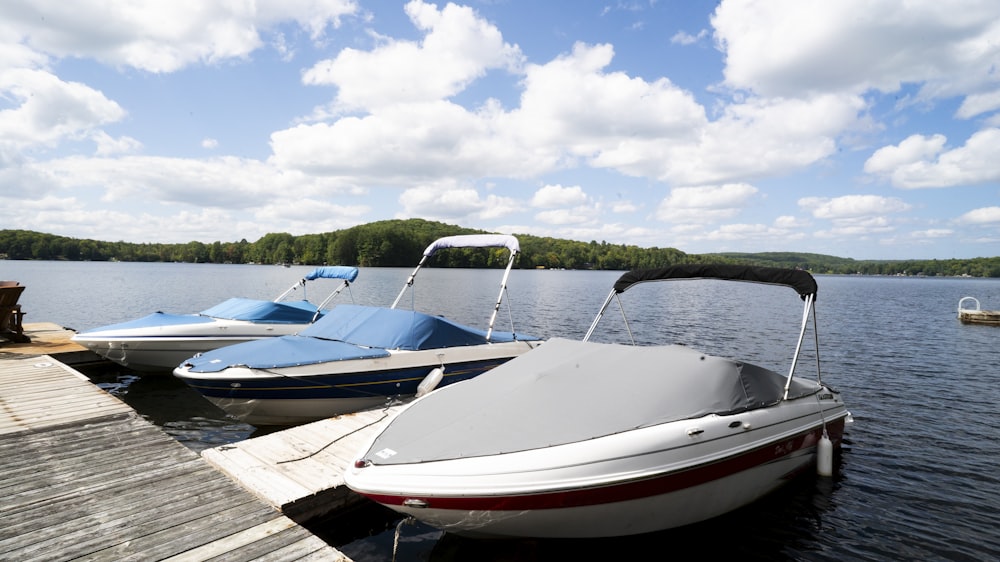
(84, 477)
(300, 470)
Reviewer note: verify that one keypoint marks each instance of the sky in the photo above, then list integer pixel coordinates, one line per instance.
(867, 129)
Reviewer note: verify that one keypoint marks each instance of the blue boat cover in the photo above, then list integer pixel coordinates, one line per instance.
(392, 328)
(347, 332)
(346, 272)
(154, 320)
(267, 312)
(284, 351)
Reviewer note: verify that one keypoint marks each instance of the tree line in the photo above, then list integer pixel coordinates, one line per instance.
(400, 243)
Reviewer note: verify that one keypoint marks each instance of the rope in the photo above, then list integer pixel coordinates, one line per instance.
(395, 539)
(328, 445)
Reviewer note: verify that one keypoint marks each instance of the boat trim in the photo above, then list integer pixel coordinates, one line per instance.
(612, 492)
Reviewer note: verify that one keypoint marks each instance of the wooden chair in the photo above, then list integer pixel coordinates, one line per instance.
(10, 312)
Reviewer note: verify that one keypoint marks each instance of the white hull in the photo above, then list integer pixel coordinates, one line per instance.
(275, 412)
(156, 349)
(641, 481)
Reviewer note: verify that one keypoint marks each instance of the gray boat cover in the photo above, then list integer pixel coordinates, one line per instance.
(567, 391)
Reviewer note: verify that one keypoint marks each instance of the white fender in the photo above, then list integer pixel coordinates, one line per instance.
(430, 382)
(824, 456)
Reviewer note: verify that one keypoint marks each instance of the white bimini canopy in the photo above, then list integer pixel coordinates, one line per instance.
(474, 241)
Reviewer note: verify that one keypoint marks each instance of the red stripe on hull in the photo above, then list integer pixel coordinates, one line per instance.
(632, 489)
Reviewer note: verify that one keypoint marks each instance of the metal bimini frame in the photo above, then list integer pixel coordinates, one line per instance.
(801, 281)
(472, 241)
(346, 272)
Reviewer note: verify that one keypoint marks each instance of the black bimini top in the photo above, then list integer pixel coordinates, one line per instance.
(800, 280)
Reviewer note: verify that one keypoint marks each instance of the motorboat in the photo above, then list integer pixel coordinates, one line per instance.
(159, 342)
(581, 439)
(357, 357)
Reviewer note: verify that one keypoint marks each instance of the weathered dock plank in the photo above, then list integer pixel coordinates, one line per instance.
(83, 477)
(300, 470)
(50, 339)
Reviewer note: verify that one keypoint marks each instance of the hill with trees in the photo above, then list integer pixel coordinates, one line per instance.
(399, 243)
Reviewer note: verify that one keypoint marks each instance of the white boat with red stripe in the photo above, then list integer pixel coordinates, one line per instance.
(586, 439)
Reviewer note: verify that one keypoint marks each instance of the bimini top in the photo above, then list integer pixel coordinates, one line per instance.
(569, 391)
(474, 241)
(348, 332)
(346, 272)
(800, 280)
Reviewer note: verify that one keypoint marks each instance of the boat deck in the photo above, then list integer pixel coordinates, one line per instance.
(85, 477)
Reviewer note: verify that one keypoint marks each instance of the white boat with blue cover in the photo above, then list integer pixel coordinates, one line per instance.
(160, 341)
(580, 439)
(356, 357)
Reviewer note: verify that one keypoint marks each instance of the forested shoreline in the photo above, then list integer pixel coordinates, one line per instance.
(399, 243)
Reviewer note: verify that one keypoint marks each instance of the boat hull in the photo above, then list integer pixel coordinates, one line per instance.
(305, 393)
(158, 351)
(646, 480)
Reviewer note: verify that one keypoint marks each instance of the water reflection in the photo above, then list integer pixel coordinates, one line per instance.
(169, 403)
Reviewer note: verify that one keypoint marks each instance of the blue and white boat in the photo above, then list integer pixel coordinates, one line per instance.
(160, 341)
(356, 357)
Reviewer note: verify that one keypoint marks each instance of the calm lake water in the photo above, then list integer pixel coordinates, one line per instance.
(918, 477)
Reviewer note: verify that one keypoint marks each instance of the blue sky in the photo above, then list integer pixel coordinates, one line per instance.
(867, 129)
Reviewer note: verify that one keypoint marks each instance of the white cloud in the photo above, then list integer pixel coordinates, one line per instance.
(853, 207)
(576, 215)
(453, 203)
(109, 146)
(977, 104)
(624, 207)
(761, 137)
(409, 145)
(932, 233)
(572, 102)
(209, 143)
(458, 48)
(557, 196)
(705, 204)
(790, 222)
(49, 109)
(914, 148)
(746, 232)
(985, 215)
(787, 47)
(684, 38)
(922, 162)
(228, 182)
(158, 36)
